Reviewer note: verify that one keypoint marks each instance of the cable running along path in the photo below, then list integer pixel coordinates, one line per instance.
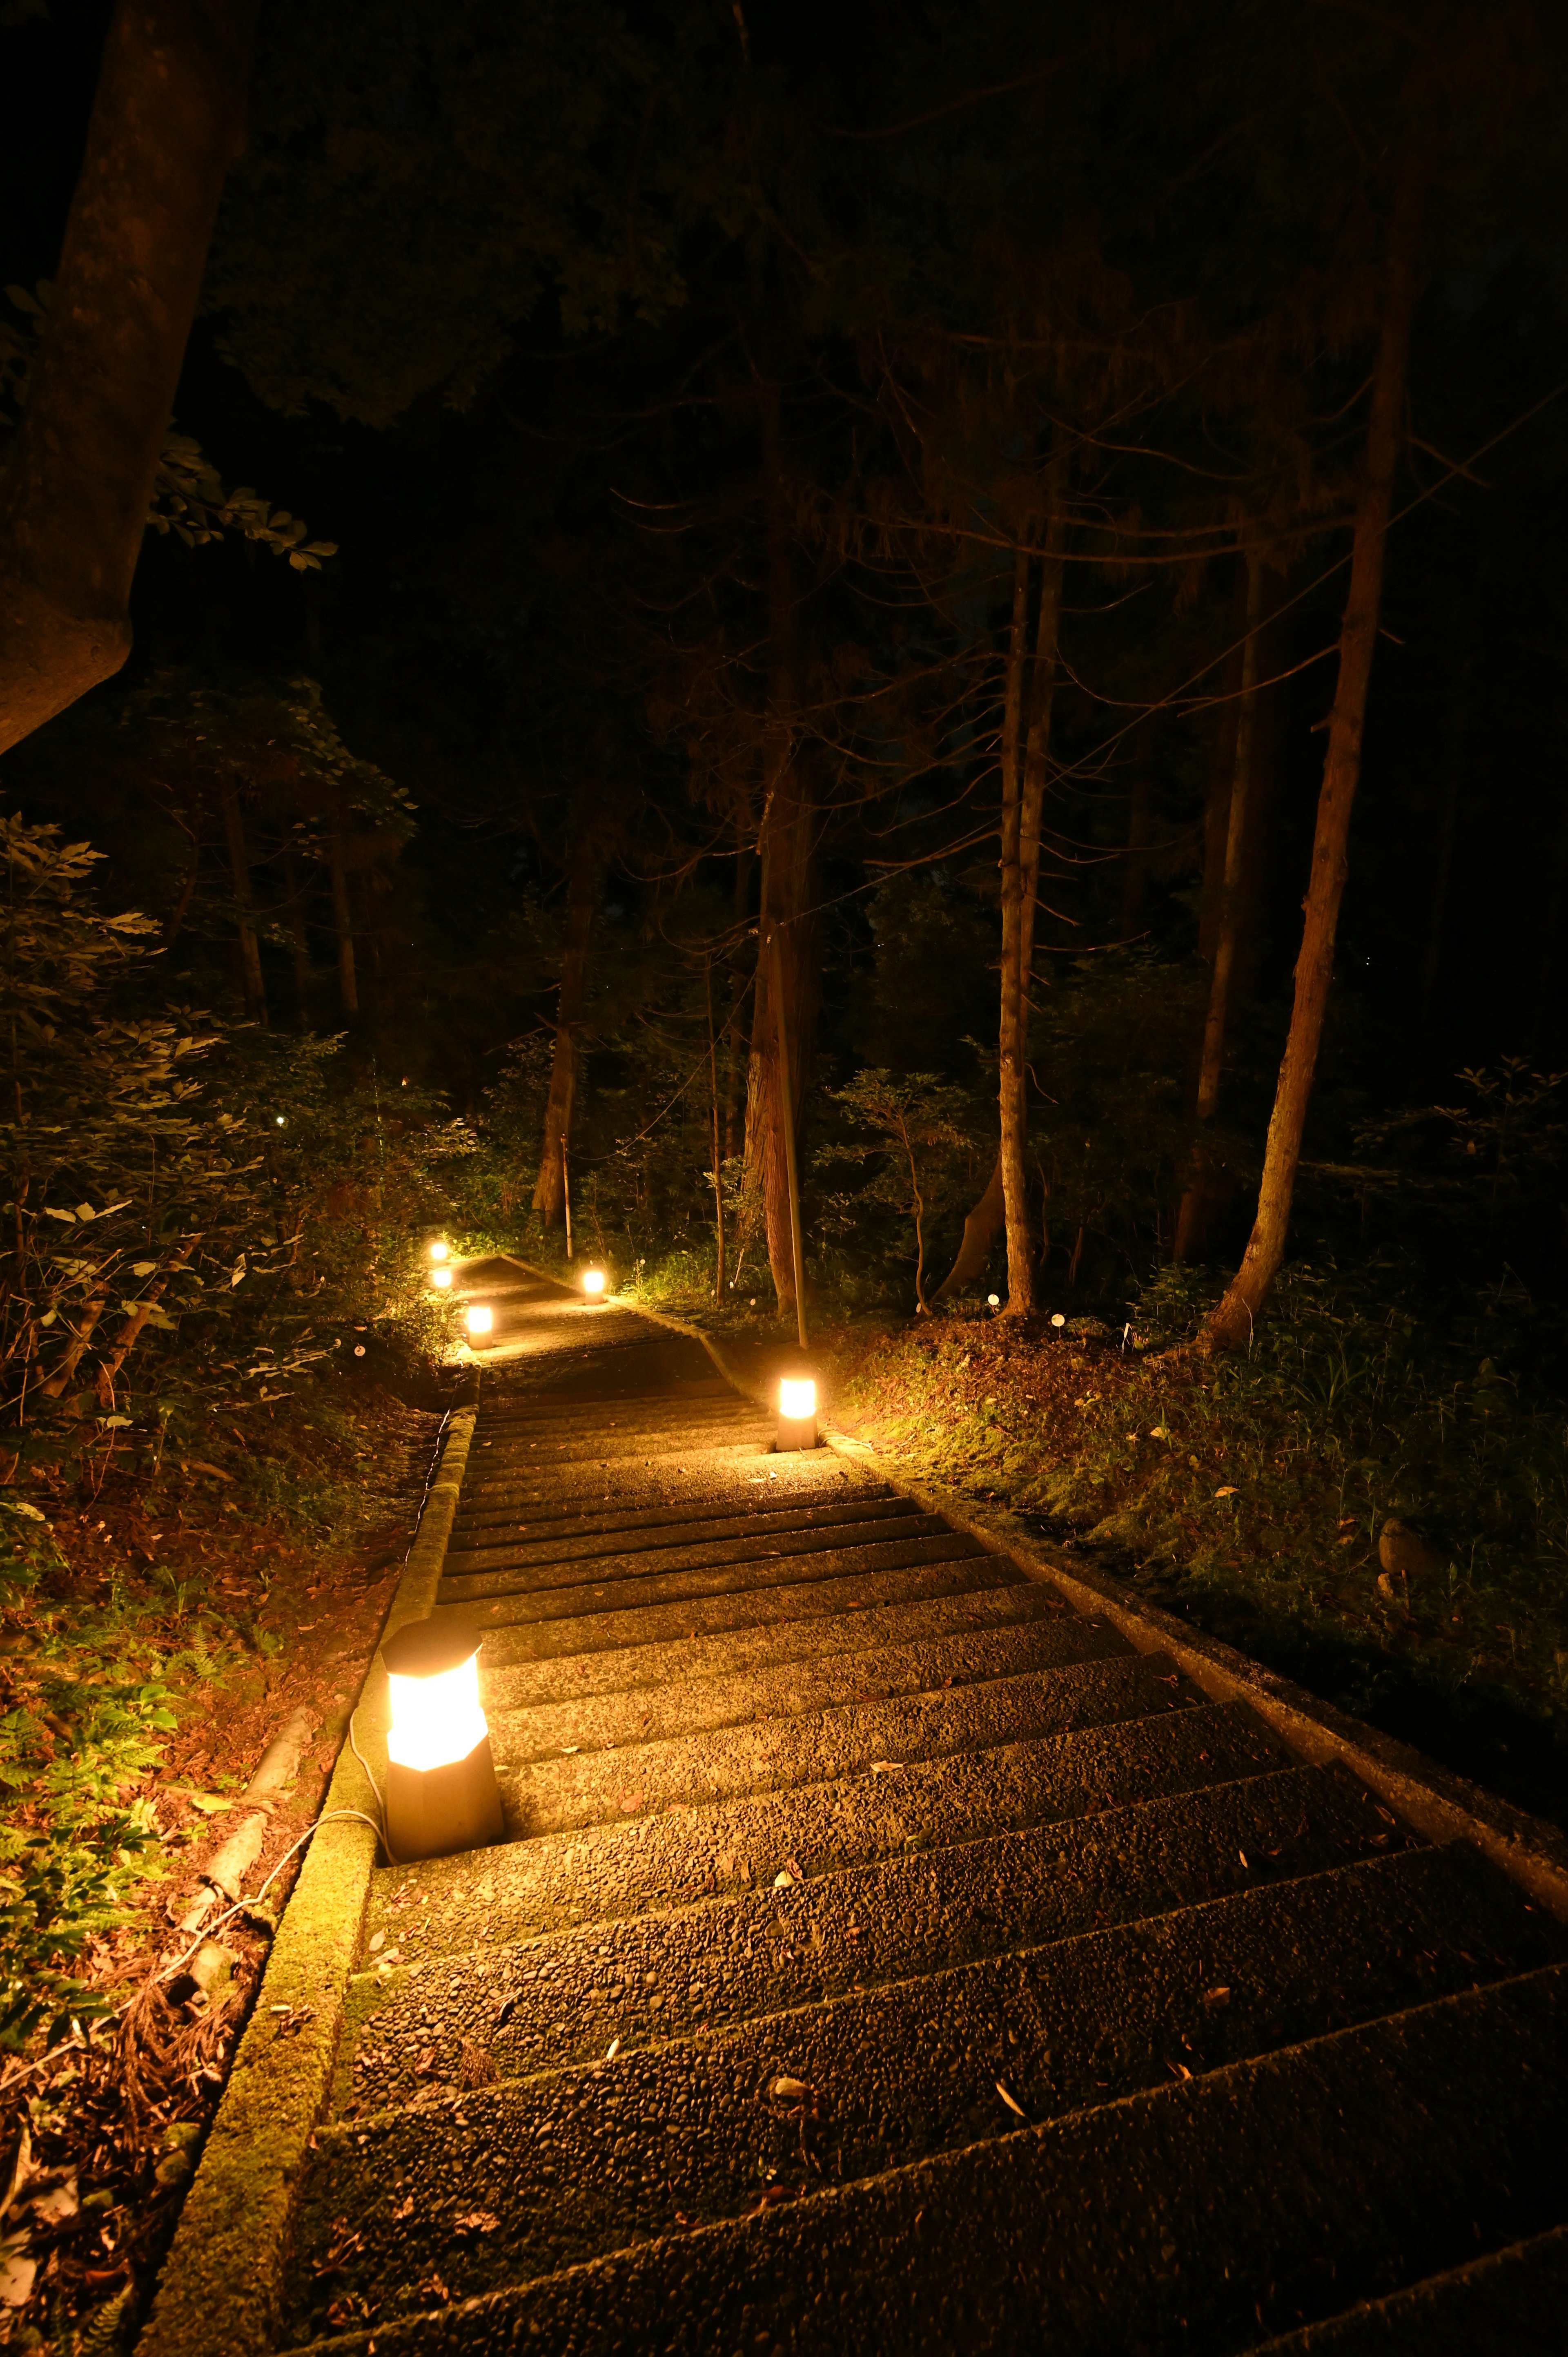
(886, 1956)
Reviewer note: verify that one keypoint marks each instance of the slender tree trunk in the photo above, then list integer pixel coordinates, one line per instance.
(719, 1165)
(244, 913)
(1013, 1022)
(1025, 735)
(167, 121)
(1192, 1219)
(1232, 1323)
(582, 902)
(738, 1034)
(343, 923)
(787, 851)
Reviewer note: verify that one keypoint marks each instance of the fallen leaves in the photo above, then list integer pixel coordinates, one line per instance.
(1215, 1997)
(476, 2221)
(1011, 2099)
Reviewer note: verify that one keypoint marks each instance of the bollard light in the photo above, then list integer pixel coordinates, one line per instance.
(441, 1278)
(481, 1317)
(442, 1793)
(796, 1413)
(438, 1250)
(593, 1284)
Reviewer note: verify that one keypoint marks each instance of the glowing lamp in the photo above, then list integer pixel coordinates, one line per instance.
(481, 1317)
(796, 1413)
(441, 1278)
(593, 1284)
(442, 1793)
(438, 1249)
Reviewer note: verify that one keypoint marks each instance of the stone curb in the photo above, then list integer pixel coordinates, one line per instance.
(1443, 1806)
(220, 2286)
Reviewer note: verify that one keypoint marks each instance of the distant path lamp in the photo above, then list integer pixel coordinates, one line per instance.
(593, 1284)
(442, 1793)
(441, 1278)
(481, 1320)
(438, 1250)
(796, 1413)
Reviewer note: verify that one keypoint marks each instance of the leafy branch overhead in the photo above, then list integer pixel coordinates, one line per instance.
(189, 497)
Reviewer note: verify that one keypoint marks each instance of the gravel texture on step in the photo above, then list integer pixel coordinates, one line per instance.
(651, 1978)
(557, 1537)
(1185, 2218)
(777, 1755)
(556, 2161)
(521, 1889)
(528, 1571)
(753, 1607)
(514, 1680)
(793, 1689)
(634, 1591)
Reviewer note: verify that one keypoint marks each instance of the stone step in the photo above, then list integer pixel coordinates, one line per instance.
(515, 1677)
(585, 1530)
(791, 1690)
(717, 1962)
(532, 1595)
(1063, 2028)
(1510, 2303)
(516, 1626)
(1223, 1792)
(725, 1763)
(524, 1565)
(525, 1457)
(715, 1479)
(1183, 2218)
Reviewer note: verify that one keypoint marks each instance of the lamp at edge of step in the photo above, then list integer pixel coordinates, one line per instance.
(438, 1250)
(481, 1320)
(796, 1413)
(442, 1793)
(440, 1278)
(593, 1284)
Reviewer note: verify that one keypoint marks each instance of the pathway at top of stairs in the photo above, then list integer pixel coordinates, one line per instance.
(884, 1956)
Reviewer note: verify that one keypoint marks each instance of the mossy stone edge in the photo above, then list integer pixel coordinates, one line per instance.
(221, 2283)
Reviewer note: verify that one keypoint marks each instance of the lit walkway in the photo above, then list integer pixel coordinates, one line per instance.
(886, 1957)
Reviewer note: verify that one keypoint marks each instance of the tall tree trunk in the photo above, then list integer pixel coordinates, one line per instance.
(343, 924)
(1026, 709)
(719, 1273)
(582, 902)
(167, 121)
(1013, 1029)
(786, 849)
(1232, 1323)
(736, 1030)
(244, 912)
(1192, 1219)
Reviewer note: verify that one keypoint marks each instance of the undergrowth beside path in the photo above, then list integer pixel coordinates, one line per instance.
(160, 1620)
(1252, 1494)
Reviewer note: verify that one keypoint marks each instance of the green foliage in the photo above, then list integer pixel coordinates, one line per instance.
(90, 1687)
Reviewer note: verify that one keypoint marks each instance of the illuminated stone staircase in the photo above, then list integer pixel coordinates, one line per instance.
(886, 1956)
